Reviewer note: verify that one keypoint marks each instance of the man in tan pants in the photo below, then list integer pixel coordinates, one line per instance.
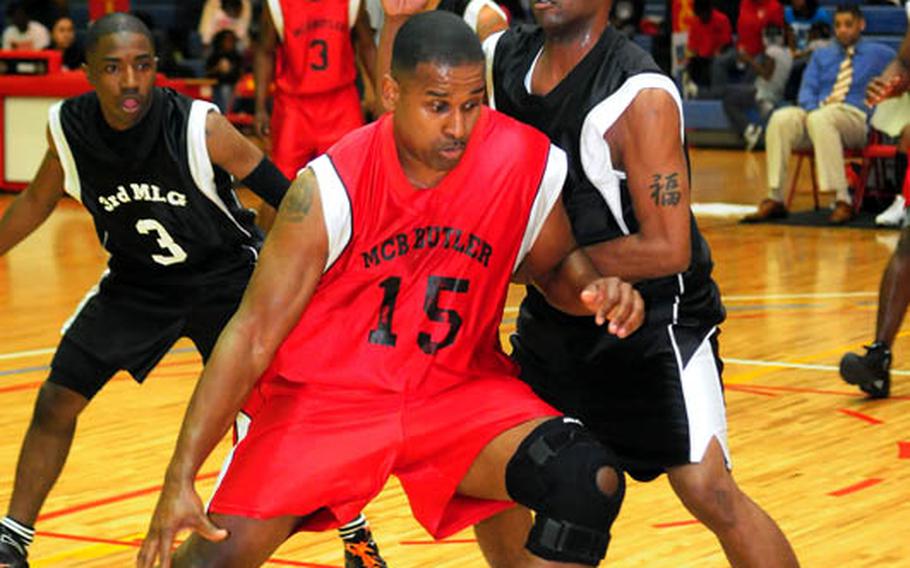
(831, 115)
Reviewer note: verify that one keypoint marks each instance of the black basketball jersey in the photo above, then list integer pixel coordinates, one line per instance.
(163, 211)
(575, 115)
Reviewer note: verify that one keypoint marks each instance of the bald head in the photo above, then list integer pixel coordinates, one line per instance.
(436, 37)
(116, 22)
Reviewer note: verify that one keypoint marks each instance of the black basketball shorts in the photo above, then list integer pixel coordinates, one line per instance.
(656, 397)
(124, 325)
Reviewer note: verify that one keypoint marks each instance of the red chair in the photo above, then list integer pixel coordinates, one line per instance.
(870, 156)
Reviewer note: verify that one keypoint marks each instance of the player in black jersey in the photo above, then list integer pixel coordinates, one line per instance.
(657, 396)
(154, 170)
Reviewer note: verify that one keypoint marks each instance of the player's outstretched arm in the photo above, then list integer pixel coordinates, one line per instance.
(646, 143)
(264, 70)
(895, 79)
(565, 274)
(35, 203)
(396, 13)
(235, 154)
(285, 278)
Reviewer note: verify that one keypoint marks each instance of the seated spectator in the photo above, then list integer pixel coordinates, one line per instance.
(890, 93)
(832, 114)
(63, 38)
(234, 15)
(46, 12)
(808, 26)
(799, 18)
(710, 33)
(625, 16)
(225, 65)
(754, 16)
(24, 33)
(772, 69)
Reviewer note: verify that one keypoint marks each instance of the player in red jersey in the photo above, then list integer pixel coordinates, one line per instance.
(306, 48)
(368, 339)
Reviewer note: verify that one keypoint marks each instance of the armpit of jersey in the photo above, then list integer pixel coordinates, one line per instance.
(551, 184)
(336, 207)
(595, 153)
(489, 51)
(71, 183)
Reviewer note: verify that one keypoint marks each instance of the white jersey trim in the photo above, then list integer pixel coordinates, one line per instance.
(704, 399)
(198, 157)
(277, 17)
(489, 51)
(353, 11)
(473, 9)
(71, 183)
(241, 427)
(93, 291)
(336, 207)
(554, 178)
(595, 152)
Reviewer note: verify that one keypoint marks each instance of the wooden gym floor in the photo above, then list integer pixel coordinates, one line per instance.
(831, 467)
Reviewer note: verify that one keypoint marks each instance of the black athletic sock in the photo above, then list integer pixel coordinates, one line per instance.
(23, 534)
(900, 169)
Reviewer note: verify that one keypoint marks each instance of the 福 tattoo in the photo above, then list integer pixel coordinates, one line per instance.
(665, 190)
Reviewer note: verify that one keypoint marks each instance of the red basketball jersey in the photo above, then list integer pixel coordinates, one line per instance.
(315, 54)
(414, 301)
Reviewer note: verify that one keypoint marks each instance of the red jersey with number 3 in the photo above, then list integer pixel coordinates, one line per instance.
(414, 297)
(315, 54)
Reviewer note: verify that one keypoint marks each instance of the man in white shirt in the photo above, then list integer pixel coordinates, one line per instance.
(24, 34)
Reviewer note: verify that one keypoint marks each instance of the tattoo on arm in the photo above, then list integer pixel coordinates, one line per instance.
(665, 191)
(299, 199)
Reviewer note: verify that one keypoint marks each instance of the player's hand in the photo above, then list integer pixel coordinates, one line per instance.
(891, 83)
(261, 121)
(179, 507)
(615, 301)
(402, 8)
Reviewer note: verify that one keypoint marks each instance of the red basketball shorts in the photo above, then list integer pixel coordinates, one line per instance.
(305, 126)
(323, 453)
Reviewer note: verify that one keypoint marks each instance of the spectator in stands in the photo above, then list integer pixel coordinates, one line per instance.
(626, 15)
(234, 15)
(832, 114)
(710, 34)
(754, 15)
(890, 93)
(46, 12)
(772, 69)
(225, 65)
(63, 38)
(24, 33)
(808, 26)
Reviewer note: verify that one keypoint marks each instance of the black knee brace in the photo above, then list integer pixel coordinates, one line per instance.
(554, 473)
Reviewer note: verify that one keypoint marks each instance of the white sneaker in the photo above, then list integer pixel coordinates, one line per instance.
(752, 135)
(893, 216)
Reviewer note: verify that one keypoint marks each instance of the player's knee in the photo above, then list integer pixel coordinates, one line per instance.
(574, 486)
(712, 499)
(57, 407)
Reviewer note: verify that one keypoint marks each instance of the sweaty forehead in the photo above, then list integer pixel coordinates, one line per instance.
(123, 43)
(431, 76)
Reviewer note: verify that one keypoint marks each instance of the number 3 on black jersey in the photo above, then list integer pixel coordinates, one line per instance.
(383, 334)
(175, 252)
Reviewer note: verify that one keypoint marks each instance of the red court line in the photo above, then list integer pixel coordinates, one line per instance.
(113, 499)
(861, 416)
(903, 450)
(856, 487)
(813, 391)
(452, 541)
(22, 387)
(677, 524)
(749, 390)
(137, 544)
